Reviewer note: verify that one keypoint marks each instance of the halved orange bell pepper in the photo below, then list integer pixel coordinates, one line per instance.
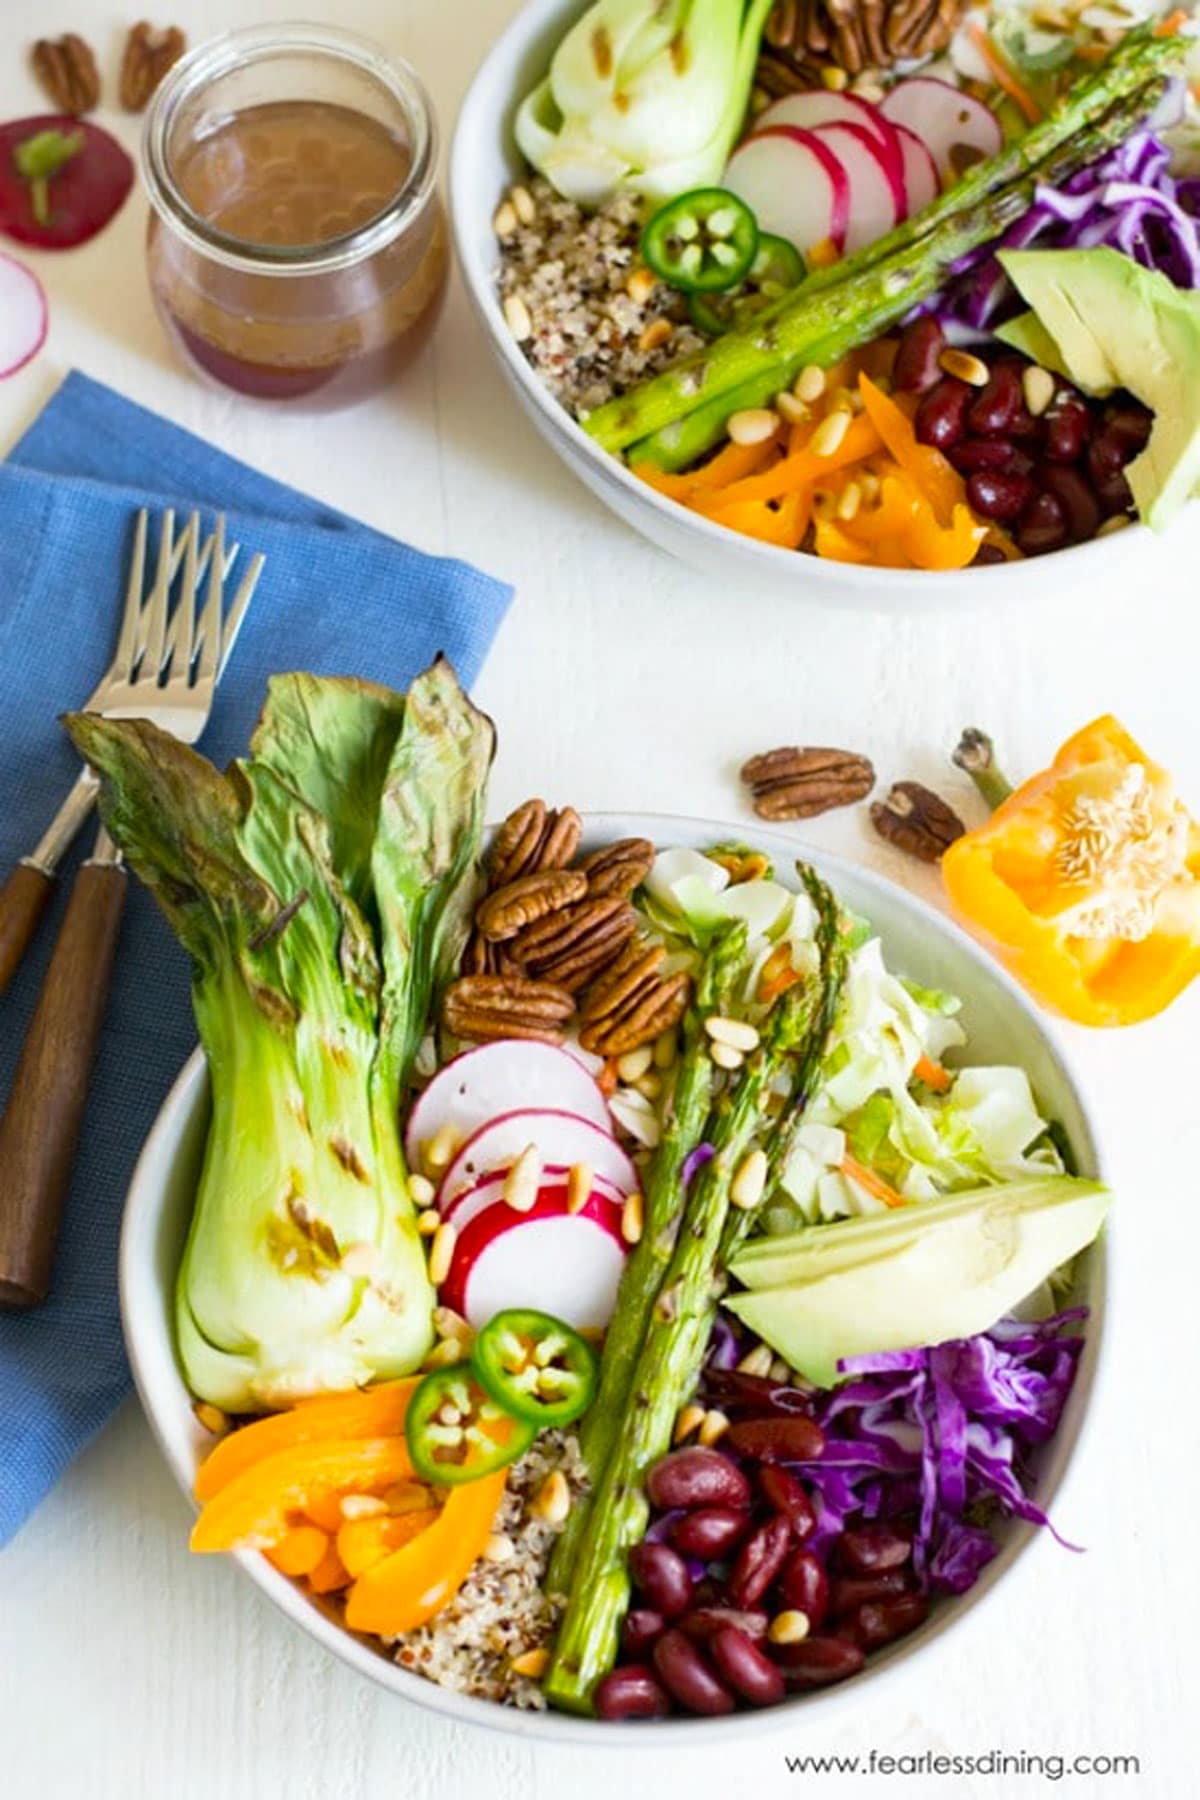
(363, 1412)
(363, 1542)
(252, 1511)
(411, 1585)
(1086, 882)
(300, 1551)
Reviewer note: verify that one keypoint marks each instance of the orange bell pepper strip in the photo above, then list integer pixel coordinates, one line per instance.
(330, 1574)
(1086, 882)
(834, 542)
(935, 478)
(366, 1412)
(803, 467)
(364, 1542)
(411, 1585)
(731, 463)
(300, 1551)
(252, 1512)
(325, 1510)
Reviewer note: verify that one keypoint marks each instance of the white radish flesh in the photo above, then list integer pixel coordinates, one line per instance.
(603, 1201)
(793, 184)
(944, 118)
(566, 1264)
(876, 188)
(504, 1077)
(560, 1138)
(24, 316)
(818, 106)
(921, 183)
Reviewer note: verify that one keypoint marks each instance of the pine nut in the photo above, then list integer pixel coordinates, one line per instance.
(633, 1065)
(752, 426)
(523, 206)
(657, 333)
(211, 1417)
(428, 1221)
(1116, 523)
(363, 1506)
(868, 481)
(968, 368)
(1039, 385)
(579, 1187)
(445, 1354)
(447, 1323)
(736, 1033)
(441, 1254)
(834, 78)
(501, 1549)
(650, 1086)
(552, 1502)
(809, 384)
(666, 1049)
(516, 316)
(633, 1218)
(726, 1057)
(750, 1183)
(439, 1151)
(714, 1426)
(794, 411)
(757, 1361)
(690, 1418)
(422, 1190)
(842, 400)
(531, 1663)
(520, 1190)
(780, 1371)
(850, 501)
(788, 1628)
(640, 285)
(504, 220)
(827, 438)
(867, 90)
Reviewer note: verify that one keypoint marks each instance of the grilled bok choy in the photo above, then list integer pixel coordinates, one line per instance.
(322, 889)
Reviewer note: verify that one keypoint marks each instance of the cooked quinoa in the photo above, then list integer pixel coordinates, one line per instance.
(500, 1612)
(587, 329)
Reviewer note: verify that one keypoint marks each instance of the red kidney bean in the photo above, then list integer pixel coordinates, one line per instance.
(703, 1621)
(632, 1692)
(777, 1440)
(733, 1388)
(804, 1587)
(988, 553)
(880, 1622)
(872, 1548)
(709, 1531)
(941, 416)
(1067, 421)
(759, 1561)
(1000, 496)
(848, 1592)
(1081, 509)
(745, 1669)
(1106, 467)
(782, 1491)
(1043, 526)
(977, 454)
(639, 1631)
(1025, 427)
(916, 365)
(818, 1661)
(696, 1477)
(1129, 425)
(998, 402)
(688, 1677)
(1115, 494)
(660, 1575)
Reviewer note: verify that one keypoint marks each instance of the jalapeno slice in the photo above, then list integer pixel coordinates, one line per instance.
(701, 242)
(456, 1431)
(777, 266)
(537, 1367)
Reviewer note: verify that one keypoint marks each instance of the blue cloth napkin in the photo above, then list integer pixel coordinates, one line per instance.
(335, 598)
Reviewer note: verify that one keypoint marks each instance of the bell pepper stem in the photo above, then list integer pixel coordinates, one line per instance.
(975, 753)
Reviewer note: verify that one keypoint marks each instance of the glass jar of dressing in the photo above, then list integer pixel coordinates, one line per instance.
(297, 246)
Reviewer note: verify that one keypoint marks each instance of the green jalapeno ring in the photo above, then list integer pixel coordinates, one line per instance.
(701, 242)
(536, 1367)
(777, 266)
(456, 1431)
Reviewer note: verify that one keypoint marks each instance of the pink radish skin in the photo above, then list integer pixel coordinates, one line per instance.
(561, 1138)
(566, 1264)
(942, 117)
(490, 1192)
(818, 106)
(24, 316)
(876, 184)
(921, 184)
(504, 1077)
(794, 184)
(84, 193)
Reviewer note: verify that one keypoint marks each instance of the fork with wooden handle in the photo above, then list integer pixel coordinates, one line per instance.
(167, 670)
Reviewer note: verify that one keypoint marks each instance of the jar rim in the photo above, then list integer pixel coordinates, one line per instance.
(235, 50)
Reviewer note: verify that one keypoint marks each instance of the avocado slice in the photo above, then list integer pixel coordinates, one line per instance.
(943, 1269)
(1115, 324)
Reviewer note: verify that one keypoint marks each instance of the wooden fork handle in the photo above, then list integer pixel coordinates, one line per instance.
(40, 1128)
(23, 900)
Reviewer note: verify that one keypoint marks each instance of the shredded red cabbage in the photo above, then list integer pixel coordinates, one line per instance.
(693, 1162)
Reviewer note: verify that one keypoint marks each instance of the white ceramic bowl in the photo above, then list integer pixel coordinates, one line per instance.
(1001, 1025)
(484, 159)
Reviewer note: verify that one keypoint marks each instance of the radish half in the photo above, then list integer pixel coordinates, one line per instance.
(490, 1192)
(943, 117)
(566, 1264)
(876, 182)
(504, 1077)
(794, 185)
(921, 184)
(818, 106)
(24, 315)
(561, 1138)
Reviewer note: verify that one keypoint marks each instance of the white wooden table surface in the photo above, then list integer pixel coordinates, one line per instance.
(129, 1671)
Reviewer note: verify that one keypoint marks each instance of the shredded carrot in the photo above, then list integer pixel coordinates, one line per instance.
(1003, 72)
(1172, 23)
(608, 1078)
(932, 1074)
(866, 1178)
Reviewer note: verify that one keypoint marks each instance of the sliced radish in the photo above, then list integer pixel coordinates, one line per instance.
(605, 1200)
(561, 1138)
(921, 184)
(24, 315)
(794, 184)
(818, 106)
(876, 182)
(567, 1264)
(943, 117)
(83, 194)
(501, 1078)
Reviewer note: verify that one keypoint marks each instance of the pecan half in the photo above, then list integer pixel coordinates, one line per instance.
(634, 1004)
(572, 946)
(149, 52)
(482, 958)
(531, 839)
(618, 868)
(66, 68)
(916, 820)
(798, 783)
(483, 1007)
(502, 914)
